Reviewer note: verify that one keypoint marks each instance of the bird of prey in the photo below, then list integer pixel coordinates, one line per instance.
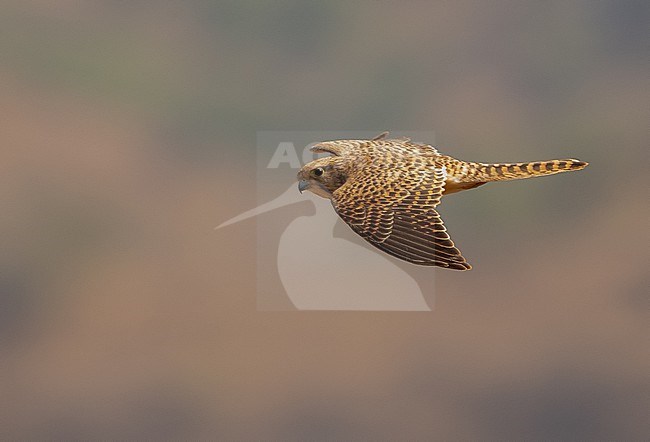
(387, 191)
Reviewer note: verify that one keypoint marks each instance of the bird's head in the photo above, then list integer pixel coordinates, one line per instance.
(322, 176)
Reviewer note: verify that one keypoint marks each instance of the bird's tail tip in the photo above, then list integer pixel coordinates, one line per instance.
(577, 164)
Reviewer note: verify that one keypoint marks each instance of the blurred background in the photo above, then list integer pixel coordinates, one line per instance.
(128, 132)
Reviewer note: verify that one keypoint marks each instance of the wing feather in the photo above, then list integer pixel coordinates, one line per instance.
(393, 208)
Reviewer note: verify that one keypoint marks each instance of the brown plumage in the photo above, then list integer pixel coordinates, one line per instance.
(386, 190)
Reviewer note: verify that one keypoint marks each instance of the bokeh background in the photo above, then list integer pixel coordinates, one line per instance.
(128, 133)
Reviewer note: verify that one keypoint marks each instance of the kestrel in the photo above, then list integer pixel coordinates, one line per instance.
(387, 191)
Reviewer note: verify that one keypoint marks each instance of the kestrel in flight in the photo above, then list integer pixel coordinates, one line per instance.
(387, 191)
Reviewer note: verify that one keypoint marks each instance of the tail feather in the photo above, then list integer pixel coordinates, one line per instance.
(515, 171)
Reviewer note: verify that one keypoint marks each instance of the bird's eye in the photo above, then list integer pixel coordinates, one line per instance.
(318, 171)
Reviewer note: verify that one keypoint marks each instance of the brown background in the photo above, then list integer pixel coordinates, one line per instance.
(128, 132)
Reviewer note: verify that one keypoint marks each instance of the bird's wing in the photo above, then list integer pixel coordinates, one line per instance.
(393, 208)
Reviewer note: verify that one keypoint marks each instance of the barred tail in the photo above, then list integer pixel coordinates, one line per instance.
(515, 171)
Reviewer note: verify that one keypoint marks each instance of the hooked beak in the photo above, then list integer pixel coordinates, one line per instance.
(303, 185)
